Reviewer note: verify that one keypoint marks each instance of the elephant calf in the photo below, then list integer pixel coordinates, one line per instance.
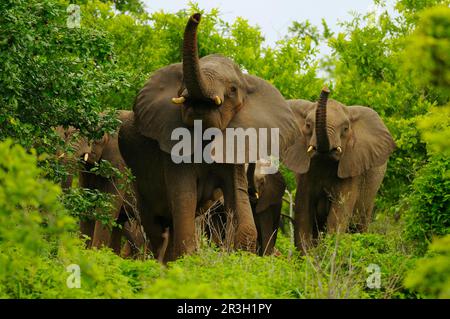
(266, 197)
(341, 160)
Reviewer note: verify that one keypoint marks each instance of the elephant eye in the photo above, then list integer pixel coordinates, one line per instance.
(345, 129)
(308, 126)
(233, 89)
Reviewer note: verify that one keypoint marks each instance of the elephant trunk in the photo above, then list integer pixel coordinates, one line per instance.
(323, 144)
(191, 68)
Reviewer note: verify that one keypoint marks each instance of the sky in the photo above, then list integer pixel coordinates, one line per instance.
(274, 16)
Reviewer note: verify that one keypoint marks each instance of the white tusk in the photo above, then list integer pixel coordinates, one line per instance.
(310, 148)
(217, 100)
(178, 100)
(86, 156)
(257, 195)
(339, 149)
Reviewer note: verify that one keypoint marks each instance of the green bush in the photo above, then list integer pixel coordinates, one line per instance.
(431, 275)
(38, 241)
(428, 214)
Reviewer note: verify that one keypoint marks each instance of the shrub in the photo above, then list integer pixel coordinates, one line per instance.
(431, 275)
(428, 213)
(34, 256)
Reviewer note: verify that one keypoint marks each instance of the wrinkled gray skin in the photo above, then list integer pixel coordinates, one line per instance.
(86, 154)
(339, 177)
(212, 89)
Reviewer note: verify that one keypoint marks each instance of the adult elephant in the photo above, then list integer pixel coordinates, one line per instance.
(341, 160)
(86, 155)
(215, 91)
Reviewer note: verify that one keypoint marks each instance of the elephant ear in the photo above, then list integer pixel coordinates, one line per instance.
(297, 159)
(369, 145)
(265, 108)
(271, 192)
(154, 111)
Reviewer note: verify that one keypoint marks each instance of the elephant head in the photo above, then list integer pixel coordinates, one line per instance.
(354, 136)
(94, 153)
(88, 151)
(212, 89)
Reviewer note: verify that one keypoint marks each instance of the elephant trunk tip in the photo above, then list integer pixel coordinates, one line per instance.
(196, 17)
(324, 93)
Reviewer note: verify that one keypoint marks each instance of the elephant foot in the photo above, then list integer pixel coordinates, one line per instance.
(245, 239)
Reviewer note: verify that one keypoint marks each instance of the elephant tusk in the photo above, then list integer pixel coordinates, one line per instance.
(257, 195)
(62, 155)
(310, 148)
(178, 100)
(86, 156)
(339, 149)
(217, 100)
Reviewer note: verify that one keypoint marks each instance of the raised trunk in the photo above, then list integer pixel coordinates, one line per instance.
(191, 68)
(323, 144)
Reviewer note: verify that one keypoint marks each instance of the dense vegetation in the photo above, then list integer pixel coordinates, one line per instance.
(54, 75)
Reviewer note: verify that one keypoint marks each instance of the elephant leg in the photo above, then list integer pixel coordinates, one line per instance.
(136, 243)
(102, 235)
(304, 220)
(118, 231)
(182, 196)
(66, 183)
(369, 183)
(237, 200)
(342, 207)
(267, 226)
(87, 229)
(127, 250)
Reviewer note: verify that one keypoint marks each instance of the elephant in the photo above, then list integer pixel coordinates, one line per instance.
(266, 197)
(340, 160)
(215, 92)
(86, 155)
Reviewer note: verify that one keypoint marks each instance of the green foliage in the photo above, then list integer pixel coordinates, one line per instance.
(66, 69)
(431, 275)
(37, 241)
(337, 268)
(429, 52)
(435, 129)
(428, 213)
(28, 200)
(89, 204)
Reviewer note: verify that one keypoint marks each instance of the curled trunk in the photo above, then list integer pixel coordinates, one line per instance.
(323, 144)
(191, 67)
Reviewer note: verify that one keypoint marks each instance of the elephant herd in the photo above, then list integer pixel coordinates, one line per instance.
(339, 155)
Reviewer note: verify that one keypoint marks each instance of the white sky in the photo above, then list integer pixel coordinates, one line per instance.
(274, 16)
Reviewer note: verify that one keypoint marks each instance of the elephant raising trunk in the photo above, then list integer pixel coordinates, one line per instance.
(191, 69)
(323, 144)
(193, 79)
